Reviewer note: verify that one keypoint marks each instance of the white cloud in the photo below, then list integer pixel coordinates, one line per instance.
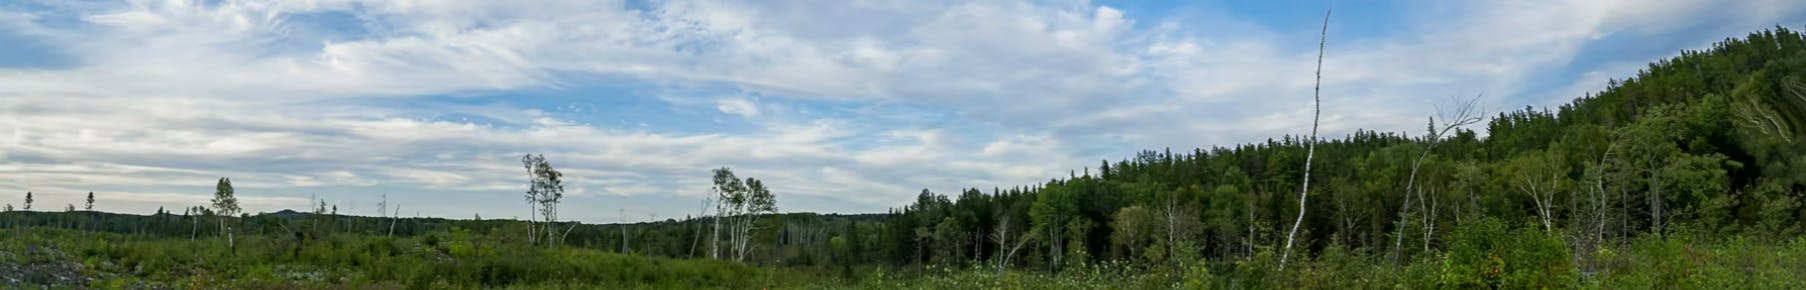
(741, 107)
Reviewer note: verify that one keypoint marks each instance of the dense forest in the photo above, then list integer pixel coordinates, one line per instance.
(1688, 175)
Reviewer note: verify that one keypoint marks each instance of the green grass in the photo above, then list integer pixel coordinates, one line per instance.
(438, 261)
(1483, 255)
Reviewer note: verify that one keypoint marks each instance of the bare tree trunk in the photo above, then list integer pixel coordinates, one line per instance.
(702, 211)
(1310, 144)
(1249, 250)
(226, 230)
(1537, 193)
(550, 224)
(1003, 232)
(1429, 218)
(743, 236)
(1003, 240)
(397, 216)
(567, 231)
(1172, 232)
(1055, 245)
(1398, 240)
(739, 237)
(715, 235)
(978, 242)
(1344, 225)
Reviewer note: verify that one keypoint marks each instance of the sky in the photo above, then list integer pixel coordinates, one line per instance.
(839, 106)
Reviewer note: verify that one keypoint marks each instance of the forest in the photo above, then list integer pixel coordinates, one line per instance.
(1687, 175)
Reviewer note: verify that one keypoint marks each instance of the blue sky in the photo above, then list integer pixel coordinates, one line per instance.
(841, 106)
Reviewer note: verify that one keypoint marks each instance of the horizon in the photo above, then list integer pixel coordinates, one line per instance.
(147, 104)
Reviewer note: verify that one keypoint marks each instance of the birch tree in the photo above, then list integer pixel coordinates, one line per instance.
(729, 195)
(1462, 115)
(1009, 250)
(225, 204)
(1309, 144)
(1539, 175)
(545, 189)
(756, 203)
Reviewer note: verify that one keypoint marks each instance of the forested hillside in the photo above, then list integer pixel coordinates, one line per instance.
(1691, 174)
(1702, 142)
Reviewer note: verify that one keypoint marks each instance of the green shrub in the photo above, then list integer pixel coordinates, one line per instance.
(1485, 254)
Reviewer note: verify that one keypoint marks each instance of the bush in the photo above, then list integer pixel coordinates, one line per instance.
(1485, 254)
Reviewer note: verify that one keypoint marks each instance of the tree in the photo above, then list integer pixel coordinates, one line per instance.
(28, 201)
(1055, 207)
(1463, 114)
(756, 201)
(1134, 226)
(318, 218)
(383, 211)
(1539, 174)
(395, 217)
(974, 210)
(1002, 236)
(1310, 144)
(90, 209)
(225, 204)
(189, 213)
(545, 189)
(948, 239)
(696, 239)
(1179, 221)
(729, 195)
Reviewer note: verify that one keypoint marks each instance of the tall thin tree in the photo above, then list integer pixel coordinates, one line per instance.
(1310, 145)
(728, 196)
(89, 208)
(225, 203)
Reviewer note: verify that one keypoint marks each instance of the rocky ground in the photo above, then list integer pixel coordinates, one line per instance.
(44, 267)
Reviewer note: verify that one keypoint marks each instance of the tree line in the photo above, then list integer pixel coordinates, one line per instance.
(1706, 141)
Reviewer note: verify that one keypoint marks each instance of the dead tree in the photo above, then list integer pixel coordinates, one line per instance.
(1002, 236)
(1310, 145)
(1464, 114)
